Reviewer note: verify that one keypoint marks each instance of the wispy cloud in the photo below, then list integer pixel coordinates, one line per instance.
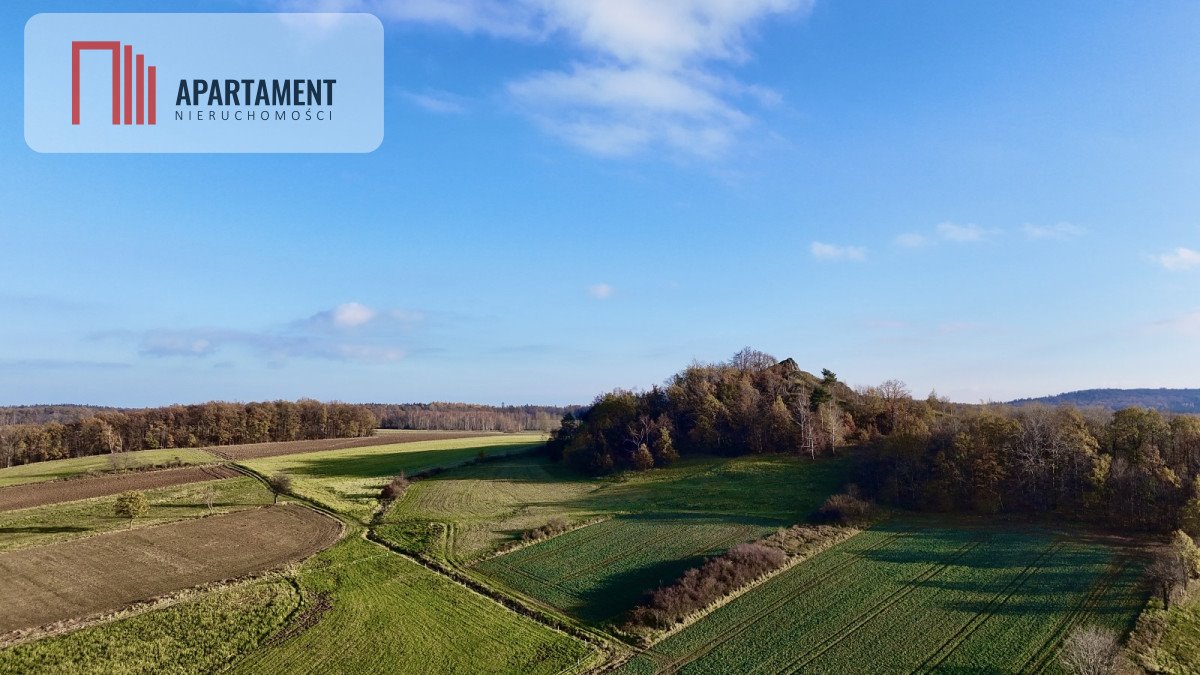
(962, 233)
(912, 240)
(434, 101)
(348, 332)
(1061, 231)
(643, 75)
(600, 291)
(1187, 325)
(1179, 260)
(823, 251)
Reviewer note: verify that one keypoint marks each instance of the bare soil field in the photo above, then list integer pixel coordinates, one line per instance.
(77, 579)
(54, 492)
(238, 453)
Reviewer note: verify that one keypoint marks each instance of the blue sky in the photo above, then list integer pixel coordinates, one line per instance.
(993, 199)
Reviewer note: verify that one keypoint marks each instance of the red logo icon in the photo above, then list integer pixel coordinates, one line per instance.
(145, 80)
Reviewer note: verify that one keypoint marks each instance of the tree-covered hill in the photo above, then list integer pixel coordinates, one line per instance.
(1165, 400)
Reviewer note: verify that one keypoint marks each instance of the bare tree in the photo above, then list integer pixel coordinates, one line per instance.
(1168, 573)
(280, 483)
(1091, 650)
(209, 495)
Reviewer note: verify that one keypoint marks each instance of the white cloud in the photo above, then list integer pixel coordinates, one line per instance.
(440, 102)
(1179, 260)
(822, 251)
(600, 291)
(962, 233)
(645, 74)
(1057, 231)
(350, 331)
(351, 315)
(912, 240)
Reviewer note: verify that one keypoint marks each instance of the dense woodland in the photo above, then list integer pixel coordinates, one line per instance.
(180, 426)
(1135, 468)
(1164, 400)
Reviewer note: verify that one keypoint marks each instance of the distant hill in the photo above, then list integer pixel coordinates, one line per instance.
(1166, 400)
(63, 413)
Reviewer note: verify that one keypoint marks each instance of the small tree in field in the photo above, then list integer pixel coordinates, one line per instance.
(1091, 650)
(131, 505)
(209, 495)
(280, 483)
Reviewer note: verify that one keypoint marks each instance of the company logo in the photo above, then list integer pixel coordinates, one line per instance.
(146, 82)
(160, 83)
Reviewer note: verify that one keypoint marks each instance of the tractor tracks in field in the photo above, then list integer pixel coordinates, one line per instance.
(1098, 591)
(673, 665)
(934, 660)
(882, 606)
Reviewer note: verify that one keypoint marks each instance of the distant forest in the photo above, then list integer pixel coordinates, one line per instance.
(1163, 400)
(39, 433)
(1135, 468)
(468, 416)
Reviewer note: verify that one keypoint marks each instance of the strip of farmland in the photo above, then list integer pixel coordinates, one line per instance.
(54, 492)
(76, 579)
(238, 453)
(905, 599)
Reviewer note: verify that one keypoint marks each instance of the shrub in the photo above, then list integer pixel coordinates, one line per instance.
(555, 526)
(701, 586)
(131, 505)
(1091, 650)
(846, 509)
(395, 489)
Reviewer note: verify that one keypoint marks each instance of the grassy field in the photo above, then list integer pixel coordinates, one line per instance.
(659, 522)
(78, 466)
(201, 634)
(60, 522)
(1177, 649)
(348, 481)
(915, 596)
(379, 612)
(487, 506)
(44, 584)
(599, 571)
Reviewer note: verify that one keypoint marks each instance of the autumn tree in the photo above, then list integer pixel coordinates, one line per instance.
(131, 505)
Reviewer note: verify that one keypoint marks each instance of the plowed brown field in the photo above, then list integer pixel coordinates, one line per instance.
(76, 579)
(53, 492)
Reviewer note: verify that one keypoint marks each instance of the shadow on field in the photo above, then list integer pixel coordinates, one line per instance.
(378, 465)
(58, 529)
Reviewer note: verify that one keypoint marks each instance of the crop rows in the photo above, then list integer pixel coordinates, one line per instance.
(598, 571)
(921, 600)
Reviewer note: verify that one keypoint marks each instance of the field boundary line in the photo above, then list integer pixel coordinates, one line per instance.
(881, 606)
(981, 617)
(742, 625)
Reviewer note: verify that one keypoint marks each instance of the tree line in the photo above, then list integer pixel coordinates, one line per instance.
(467, 416)
(183, 426)
(1135, 468)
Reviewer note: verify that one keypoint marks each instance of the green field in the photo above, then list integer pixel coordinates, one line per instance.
(915, 596)
(201, 634)
(659, 524)
(78, 466)
(348, 481)
(487, 506)
(385, 613)
(58, 522)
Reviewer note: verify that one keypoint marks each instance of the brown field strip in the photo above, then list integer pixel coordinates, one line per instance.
(53, 492)
(239, 453)
(77, 579)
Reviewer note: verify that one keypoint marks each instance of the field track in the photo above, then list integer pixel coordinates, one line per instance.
(238, 453)
(54, 492)
(76, 579)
